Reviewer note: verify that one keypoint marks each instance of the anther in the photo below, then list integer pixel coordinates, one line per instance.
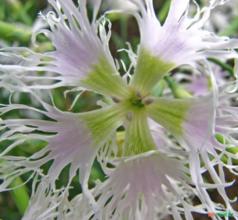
(138, 94)
(148, 101)
(129, 116)
(116, 100)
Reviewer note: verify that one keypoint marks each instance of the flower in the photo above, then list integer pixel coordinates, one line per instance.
(168, 144)
(220, 20)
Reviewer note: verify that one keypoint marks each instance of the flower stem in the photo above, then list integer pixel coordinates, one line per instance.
(14, 32)
(177, 90)
(164, 11)
(223, 65)
(159, 88)
(20, 195)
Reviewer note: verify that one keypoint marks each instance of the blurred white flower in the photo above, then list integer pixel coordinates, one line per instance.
(222, 16)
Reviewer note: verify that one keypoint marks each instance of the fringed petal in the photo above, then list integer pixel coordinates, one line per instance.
(45, 203)
(81, 56)
(70, 142)
(80, 209)
(142, 187)
(163, 141)
(191, 121)
(200, 165)
(226, 126)
(178, 9)
(227, 120)
(181, 40)
(71, 139)
(120, 5)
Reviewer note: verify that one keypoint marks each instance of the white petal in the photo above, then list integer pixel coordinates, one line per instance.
(81, 52)
(141, 187)
(182, 39)
(177, 9)
(77, 45)
(191, 120)
(199, 124)
(45, 203)
(70, 138)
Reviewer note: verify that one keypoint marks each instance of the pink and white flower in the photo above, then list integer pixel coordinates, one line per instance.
(168, 144)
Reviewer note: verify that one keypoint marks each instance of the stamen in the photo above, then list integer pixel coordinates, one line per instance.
(129, 116)
(148, 101)
(116, 100)
(138, 94)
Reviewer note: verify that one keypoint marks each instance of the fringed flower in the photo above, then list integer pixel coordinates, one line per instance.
(148, 176)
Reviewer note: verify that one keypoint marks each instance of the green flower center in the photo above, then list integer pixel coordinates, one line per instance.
(137, 101)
